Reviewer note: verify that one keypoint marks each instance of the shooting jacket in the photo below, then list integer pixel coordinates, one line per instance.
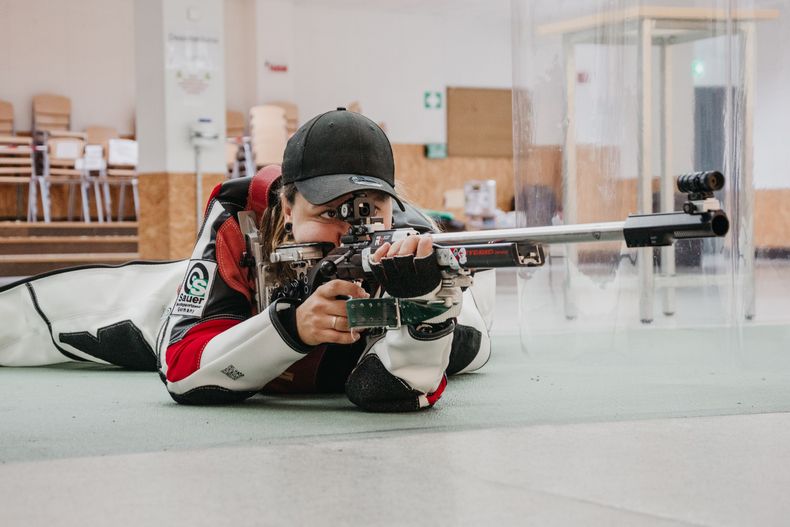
(195, 321)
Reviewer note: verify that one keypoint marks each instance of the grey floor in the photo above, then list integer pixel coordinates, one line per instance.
(546, 438)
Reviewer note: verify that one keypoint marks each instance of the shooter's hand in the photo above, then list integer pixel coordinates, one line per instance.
(322, 317)
(407, 268)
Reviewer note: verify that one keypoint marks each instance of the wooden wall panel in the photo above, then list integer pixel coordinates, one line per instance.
(13, 203)
(600, 198)
(168, 219)
(426, 180)
(772, 218)
(542, 165)
(479, 122)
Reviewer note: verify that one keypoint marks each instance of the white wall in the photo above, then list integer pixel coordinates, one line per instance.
(384, 59)
(85, 50)
(180, 79)
(81, 49)
(335, 54)
(772, 102)
(240, 70)
(275, 40)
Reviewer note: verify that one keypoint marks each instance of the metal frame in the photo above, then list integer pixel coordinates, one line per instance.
(652, 32)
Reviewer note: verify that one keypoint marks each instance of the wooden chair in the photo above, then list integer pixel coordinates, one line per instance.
(291, 115)
(63, 158)
(122, 171)
(101, 135)
(268, 134)
(16, 168)
(6, 118)
(234, 124)
(238, 154)
(232, 158)
(51, 113)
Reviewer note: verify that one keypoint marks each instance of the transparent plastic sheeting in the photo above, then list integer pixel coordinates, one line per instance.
(612, 99)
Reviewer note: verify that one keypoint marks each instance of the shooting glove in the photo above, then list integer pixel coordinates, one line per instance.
(407, 276)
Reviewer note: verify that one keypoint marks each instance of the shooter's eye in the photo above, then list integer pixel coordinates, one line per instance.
(329, 214)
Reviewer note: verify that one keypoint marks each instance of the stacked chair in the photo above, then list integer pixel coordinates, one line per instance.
(268, 134)
(6, 118)
(115, 161)
(52, 114)
(291, 116)
(122, 156)
(238, 152)
(270, 127)
(98, 138)
(59, 152)
(16, 159)
(117, 167)
(234, 124)
(64, 164)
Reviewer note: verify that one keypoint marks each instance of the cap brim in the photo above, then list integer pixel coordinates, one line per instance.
(323, 189)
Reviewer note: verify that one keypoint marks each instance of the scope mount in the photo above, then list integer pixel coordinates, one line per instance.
(699, 188)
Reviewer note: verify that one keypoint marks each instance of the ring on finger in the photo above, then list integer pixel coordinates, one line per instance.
(334, 321)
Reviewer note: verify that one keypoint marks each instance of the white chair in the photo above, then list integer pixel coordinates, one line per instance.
(121, 170)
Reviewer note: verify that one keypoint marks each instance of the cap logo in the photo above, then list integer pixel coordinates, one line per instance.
(366, 181)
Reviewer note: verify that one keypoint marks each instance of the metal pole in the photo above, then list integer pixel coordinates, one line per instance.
(746, 196)
(667, 191)
(645, 162)
(569, 174)
(198, 188)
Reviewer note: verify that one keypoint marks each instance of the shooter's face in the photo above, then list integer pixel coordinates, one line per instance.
(320, 223)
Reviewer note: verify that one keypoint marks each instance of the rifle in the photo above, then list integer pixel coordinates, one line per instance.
(460, 254)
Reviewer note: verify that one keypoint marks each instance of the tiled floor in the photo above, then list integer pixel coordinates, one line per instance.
(638, 435)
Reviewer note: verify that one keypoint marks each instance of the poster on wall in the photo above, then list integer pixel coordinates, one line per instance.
(193, 60)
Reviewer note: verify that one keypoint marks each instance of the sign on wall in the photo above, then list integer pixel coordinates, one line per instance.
(432, 100)
(193, 59)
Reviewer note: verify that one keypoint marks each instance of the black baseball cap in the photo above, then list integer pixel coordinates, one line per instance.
(336, 153)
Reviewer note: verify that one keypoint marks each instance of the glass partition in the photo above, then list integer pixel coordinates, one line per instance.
(612, 100)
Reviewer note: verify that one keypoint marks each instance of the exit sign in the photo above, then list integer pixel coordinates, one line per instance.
(432, 100)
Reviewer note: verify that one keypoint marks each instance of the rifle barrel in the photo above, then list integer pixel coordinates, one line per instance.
(585, 232)
(639, 230)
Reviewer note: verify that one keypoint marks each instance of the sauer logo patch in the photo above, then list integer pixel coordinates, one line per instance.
(195, 290)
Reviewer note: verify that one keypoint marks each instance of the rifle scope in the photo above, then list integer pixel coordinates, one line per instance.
(708, 181)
